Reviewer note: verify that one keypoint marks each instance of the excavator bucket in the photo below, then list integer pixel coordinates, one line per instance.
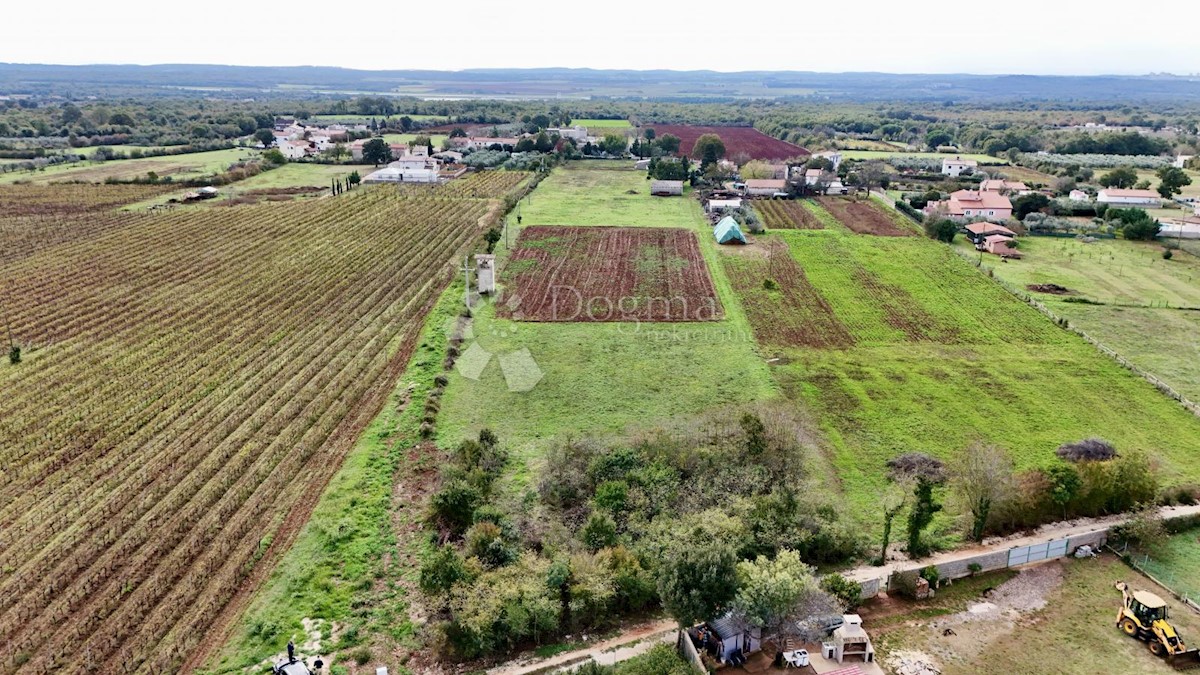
(1186, 660)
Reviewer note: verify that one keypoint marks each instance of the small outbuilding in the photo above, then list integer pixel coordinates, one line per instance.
(714, 205)
(765, 187)
(727, 231)
(851, 640)
(666, 188)
(734, 638)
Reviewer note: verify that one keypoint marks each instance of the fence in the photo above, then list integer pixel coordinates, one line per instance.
(688, 651)
(1163, 387)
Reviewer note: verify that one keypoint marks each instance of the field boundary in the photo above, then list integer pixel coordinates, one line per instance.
(1066, 324)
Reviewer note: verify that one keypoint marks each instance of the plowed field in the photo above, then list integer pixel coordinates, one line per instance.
(737, 140)
(787, 215)
(864, 217)
(608, 274)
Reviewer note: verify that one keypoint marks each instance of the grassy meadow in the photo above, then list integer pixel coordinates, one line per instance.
(436, 139)
(604, 379)
(178, 167)
(943, 357)
(1176, 563)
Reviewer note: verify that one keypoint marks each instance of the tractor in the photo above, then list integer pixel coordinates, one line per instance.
(1143, 615)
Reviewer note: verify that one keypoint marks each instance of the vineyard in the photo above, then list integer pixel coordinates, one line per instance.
(784, 309)
(737, 140)
(864, 217)
(190, 383)
(481, 185)
(33, 217)
(608, 274)
(787, 215)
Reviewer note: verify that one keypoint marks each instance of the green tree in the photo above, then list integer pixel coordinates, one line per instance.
(354, 178)
(649, 134)
(710, 149)
(1030, 203)
(441, 570)
(274, 156)
(920, 516)
(776, 594)
(1135, 224)
(668, 143)
(1121, 177)
(1172, 181)
(492, 236)
(614, 144)
(1065, 485)
(406, 123)
(599, 532)
(941, 229)
(697, 578)
(376, 151)
(264, 136)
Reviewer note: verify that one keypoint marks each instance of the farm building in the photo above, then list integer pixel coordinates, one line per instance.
(977, 232)
(975, 204)
(766, 187)
(483, 142)
(812, 176)
(641, 164)
(1000, 245)
(956, 166)
(666, 188)
(405, 172)
(729, 638)
(1182, 160)
(1147, 199)
(1004, 186)
(727, 231)
(714, 205)
(1079, 196)
(831, 155)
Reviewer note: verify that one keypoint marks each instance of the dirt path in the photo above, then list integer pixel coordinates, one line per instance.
(606, 652)
(1050, 532)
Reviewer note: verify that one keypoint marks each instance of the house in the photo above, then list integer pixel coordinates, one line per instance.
(294, 149)
(417, 169)
(282, 123)
(1079, 196)
(812, 176)
(642, 164)
(1004, 186)
(832, 155)
(731, 638)
(715, 205)
(1000, 245)
(483, 142)
(666, 188)
(977, 232)
(394, 174)
(1146, 199)
(576, 133)
(727, 231)
(765, 187)
(956, 166)
(976, 204)
(1182, 160)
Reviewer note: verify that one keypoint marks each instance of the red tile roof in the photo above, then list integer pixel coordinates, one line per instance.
(1141, 194)
(972, 199)
(981, 228)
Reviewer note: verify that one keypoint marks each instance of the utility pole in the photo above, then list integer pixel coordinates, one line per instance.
(467, 269)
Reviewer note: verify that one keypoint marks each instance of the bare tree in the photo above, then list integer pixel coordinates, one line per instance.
(870, 174)
(982, 477)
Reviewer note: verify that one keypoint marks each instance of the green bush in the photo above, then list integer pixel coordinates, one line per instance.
(599, 532)
(848, 592)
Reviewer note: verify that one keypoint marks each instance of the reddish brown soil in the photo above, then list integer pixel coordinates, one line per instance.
(794, 313)
(737, 140)
(864, 217)
(597, 274)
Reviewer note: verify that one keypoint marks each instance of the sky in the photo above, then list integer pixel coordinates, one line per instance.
(1057, 37)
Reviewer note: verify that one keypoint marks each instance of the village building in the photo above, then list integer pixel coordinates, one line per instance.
(766, 187)
(1182, 160)
(666, 188)
(956, 166)
(294, 149)
(1004, 186)
(576, 133)
(716, 205)
(1145, 199)
(1079, 196)
(483, 142)
(969, 204)
(1000, 245)
(833, 156)
(977, 232)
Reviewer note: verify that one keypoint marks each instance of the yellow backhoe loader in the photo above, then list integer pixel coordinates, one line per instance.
(1143, 615)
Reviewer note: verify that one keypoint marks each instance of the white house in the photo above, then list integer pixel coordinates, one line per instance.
(577, 133)
(416, 169)
(955, 166)
(293, 149)
(812, 176)
(1145, 199)
(722, 204)
(1079, 196)
(831, 155)
(1182, 160)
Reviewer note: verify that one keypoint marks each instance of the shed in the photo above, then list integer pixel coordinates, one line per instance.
(485, 273)
(729, 232)
(714, 205)
(765, 187)
(735, 636)
(666, 188)
(641, 164)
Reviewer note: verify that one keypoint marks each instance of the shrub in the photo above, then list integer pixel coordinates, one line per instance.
(770, 285)
(362, 656)
(941, 229)
(974, 568)
(486, 541)
(599, 532)
(441, 570)
(453, 506)
(1144, 530)
(848, 592)
(1167, 254)
(1087, 450)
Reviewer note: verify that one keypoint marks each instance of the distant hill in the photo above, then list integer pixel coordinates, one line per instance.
(697, 85)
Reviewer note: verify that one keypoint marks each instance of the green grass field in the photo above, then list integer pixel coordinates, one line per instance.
(944, 356)
(1176, 563)
(1107, 270)
(602, 124)
(1192, 190)
(592, 193)
(603, 379)
(885, 155)
(408, 138)
(296, 174)
(179, 167)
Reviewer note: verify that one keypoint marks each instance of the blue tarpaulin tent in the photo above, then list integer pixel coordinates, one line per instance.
(728, 232)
